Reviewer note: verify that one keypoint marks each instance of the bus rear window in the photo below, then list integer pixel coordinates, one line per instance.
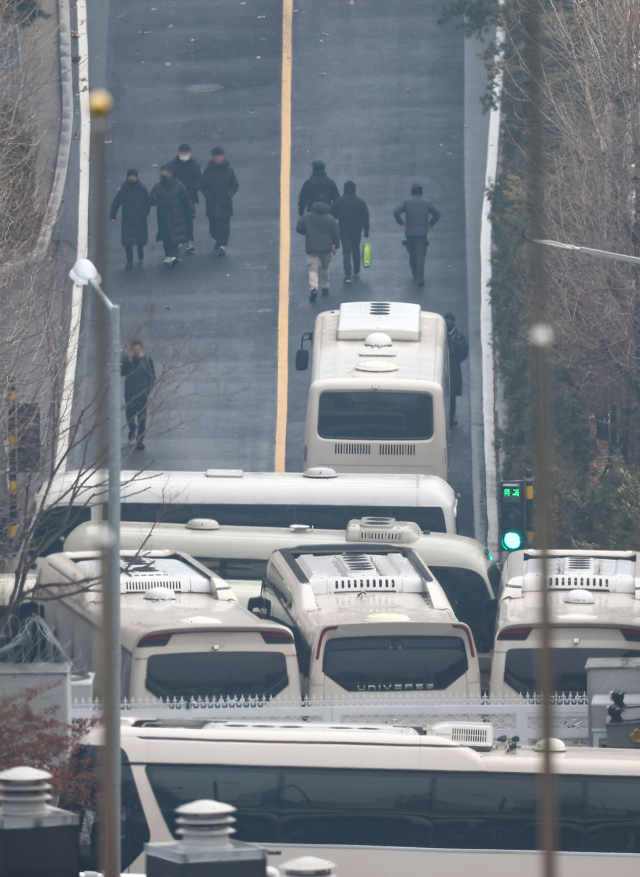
(395, 663)
(521, 667)
(374, 415)
(217, 674)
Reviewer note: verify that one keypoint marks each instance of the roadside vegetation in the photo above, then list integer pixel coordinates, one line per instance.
(592, 144)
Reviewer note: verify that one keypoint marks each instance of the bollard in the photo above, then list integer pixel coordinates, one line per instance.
(36, 840)
(206, 848)
(308, 866)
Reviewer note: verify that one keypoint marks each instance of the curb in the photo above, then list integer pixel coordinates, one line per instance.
(64, 148)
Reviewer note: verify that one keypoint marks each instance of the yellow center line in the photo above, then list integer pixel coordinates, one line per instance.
(285, 237)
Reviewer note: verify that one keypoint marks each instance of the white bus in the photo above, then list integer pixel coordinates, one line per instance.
(319, 498)
(183, 633)
(367, 619)
(595, 612)
(379, 801)
(464, 567)
(379, 395)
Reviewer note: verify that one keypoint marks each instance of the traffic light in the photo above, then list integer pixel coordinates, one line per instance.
(513, 518)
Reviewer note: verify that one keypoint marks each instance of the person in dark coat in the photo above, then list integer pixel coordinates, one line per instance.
(352, 214)
(318, 184)
(136, 204)
(175, 210)
(219, 185)
(139, 377)
(420, 216)
(458, 352)
(185, 168)
(321, 242)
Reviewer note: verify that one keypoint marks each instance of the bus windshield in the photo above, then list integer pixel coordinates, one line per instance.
(374, 415)
(521, 667)
(217, 674)
(395, 663)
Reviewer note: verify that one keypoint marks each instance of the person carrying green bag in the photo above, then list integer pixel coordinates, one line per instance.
(352, 214)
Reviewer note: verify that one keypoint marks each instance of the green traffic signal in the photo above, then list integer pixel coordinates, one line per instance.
(512, 540)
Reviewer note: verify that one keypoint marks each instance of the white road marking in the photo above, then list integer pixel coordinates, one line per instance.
(66, 404)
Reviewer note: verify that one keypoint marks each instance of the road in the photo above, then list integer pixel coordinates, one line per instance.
(379, 95)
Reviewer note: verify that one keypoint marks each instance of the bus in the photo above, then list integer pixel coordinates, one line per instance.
(595, 613)
(319, 498)
(377, 801)
(464, 567)
(379, 395)
(368, 619)
(183, 633)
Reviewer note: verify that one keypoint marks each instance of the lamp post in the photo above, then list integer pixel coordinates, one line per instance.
(604, 254)
(86, 273)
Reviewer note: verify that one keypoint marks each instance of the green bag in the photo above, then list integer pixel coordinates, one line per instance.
(366, 255)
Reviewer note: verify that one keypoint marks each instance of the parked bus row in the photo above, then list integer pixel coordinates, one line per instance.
(398, 610)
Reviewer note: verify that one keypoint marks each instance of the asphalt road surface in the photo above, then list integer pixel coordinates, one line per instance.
(379, 95)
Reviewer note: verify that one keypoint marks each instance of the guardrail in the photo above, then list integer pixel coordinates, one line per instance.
(513, 716)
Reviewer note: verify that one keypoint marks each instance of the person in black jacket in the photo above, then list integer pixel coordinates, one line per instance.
(318, 184)
(352, 214)
(458, 352)
(219, 185)
(139, 378)
(136, 204)
(185, 168)
(175, 209)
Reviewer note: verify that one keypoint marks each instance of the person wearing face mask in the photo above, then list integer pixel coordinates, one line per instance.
(134, 199)
(185, 168)
(175, 210)
(219, 185)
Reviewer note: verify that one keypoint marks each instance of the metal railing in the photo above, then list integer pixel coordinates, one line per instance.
(510, 715)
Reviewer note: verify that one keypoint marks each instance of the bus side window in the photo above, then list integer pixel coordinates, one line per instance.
(135, 831)
(278, 612)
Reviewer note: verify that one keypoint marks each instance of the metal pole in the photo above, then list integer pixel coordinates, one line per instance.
(101, 103)
(541, 337)
(589, 251)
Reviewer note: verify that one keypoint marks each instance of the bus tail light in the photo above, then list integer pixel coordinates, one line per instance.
(154, 639)
(631, 634)
(273, 637)
(469, 637)
(515, 633)
(326, 630)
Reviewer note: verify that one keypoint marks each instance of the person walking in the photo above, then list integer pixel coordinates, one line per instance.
(219, 185)
(139, 378)
(420, 216)
(185, 168)
(322, 241)
(352, 214)
(175, 210)
(318, 184)
(134, 199)
(458, 352)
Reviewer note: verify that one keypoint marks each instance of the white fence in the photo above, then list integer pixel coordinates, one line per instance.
(513, 716)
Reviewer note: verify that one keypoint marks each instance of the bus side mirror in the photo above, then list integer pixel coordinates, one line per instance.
(302, 355)
(259, 606)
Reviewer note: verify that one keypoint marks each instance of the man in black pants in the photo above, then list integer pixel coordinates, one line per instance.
(136, 204)
(139, 378)
(352, 214)
(420, 216)
(458, 352)
(218, 185)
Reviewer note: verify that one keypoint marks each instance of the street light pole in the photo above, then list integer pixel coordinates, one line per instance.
(603, 254)
(85, 273)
